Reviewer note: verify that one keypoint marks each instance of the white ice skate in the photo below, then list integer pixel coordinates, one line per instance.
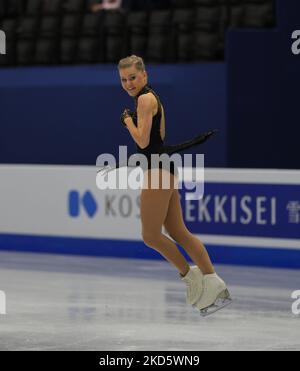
(194, 283)
(215, 295)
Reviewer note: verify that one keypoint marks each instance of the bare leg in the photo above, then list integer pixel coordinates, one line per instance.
(177, 230)
(154, 208)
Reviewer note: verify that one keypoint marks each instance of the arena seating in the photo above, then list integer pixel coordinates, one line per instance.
(46, 32)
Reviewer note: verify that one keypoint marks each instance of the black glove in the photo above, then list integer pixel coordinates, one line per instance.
(125, 114)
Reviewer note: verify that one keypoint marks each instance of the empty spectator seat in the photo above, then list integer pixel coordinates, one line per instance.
(91, 25)
(34, 7)
(182, 34)
(137, 33)
(74, 6)
(159, 39)
(52, 7)
(28, 28)
(50, 27)
(46, 52)
(68, 50)
(259, 15)
(25, 52)
(115, 35)
(87, 51)
(71, 24)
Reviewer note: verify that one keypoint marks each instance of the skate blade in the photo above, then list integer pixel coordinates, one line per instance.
(222, 301)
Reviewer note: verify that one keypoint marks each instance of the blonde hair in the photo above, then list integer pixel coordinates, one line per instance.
(133, 60)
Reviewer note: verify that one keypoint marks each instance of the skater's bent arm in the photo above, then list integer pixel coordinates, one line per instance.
(141, 133)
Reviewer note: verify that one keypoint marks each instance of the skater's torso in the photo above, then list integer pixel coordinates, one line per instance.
(156, 142)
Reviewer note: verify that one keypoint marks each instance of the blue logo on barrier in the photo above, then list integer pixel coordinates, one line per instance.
(88, 202)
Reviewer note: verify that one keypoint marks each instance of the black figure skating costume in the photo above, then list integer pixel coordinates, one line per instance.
(156, 144)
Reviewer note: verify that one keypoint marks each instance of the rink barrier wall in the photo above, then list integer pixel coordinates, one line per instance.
(232, 255)
(247, 217)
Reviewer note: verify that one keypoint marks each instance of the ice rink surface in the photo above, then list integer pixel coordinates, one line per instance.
(85, 303)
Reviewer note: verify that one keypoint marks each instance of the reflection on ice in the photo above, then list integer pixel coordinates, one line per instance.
(81, 303)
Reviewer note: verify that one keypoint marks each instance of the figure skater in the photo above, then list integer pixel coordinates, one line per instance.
(160, 206)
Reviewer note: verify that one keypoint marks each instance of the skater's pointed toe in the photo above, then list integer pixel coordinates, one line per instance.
(208, 293)
(215, 295)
